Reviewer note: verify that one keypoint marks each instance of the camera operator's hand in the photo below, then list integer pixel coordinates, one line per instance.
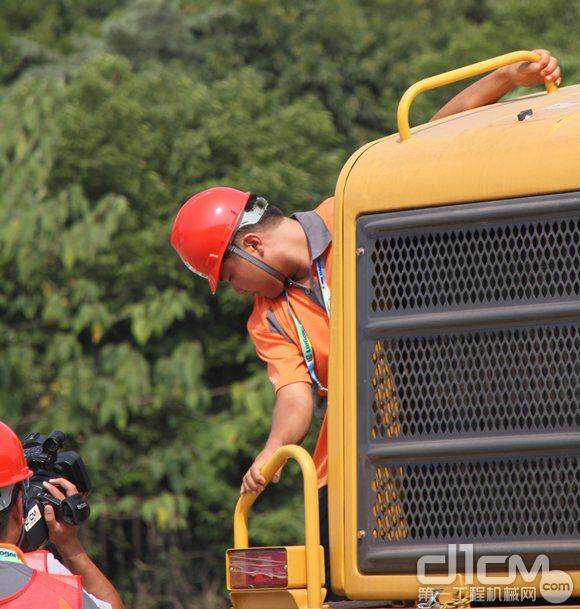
(63, 535)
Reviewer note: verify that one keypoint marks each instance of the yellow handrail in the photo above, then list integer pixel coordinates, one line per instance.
(245, 502)
(453, 76)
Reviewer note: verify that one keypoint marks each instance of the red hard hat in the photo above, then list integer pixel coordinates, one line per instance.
(204, 227)
(13, 467)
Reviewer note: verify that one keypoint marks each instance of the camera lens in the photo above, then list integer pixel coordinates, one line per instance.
(75, 510)
(54, 441)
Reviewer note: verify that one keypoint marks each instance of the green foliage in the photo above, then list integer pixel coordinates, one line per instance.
(112, 113)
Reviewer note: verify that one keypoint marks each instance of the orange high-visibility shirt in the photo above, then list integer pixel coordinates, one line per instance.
(26, 583)
(274, 333)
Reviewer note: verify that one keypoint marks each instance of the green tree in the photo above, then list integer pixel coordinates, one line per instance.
(106, 336)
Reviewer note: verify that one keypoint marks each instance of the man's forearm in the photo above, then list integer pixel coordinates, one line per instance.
(94, 580)
(291, 420)
(486, 90)
(290, 423)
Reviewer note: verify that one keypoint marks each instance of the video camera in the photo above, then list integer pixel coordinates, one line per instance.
(46, 462)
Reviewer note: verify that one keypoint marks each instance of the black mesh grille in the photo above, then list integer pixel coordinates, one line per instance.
(468, 416)
(506, 380)
(537, 497)
(462, 267)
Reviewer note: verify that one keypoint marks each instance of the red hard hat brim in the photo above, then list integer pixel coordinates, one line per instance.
(213, 277)
(214, 281)
(23, 475)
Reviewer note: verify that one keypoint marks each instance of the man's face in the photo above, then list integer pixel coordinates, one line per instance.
(246, 278)
(15, 523)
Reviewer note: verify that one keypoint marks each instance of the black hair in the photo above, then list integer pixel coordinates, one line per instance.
(5, 513)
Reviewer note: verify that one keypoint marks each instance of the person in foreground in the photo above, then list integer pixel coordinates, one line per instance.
(37, 580)
(285, 264)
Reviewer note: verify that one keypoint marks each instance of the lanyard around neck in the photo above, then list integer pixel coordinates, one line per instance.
(322, 283)
(305, 344)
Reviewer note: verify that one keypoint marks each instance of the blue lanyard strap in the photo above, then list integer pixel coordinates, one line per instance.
(323, 285)
(305, 344)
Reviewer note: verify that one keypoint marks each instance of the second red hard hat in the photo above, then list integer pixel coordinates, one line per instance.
(13, 467)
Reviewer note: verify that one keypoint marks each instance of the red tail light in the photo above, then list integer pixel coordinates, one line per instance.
(258, 568)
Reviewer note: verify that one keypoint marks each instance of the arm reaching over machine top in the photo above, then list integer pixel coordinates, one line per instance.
(494, 86)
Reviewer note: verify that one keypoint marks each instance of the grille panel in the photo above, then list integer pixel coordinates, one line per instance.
(468, 415)
(470, 266)
(478, 500)
(507, 380)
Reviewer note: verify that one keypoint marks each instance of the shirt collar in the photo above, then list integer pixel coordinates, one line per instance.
(10, 553)
(317, 234)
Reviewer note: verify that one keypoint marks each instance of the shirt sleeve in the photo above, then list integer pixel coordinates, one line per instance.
(55, 567)
(282, 356)
(90, 602)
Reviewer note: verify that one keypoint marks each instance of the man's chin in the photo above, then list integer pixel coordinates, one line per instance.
(271, 294)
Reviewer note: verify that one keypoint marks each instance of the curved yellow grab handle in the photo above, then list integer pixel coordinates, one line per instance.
(245, 502)
(453, 76)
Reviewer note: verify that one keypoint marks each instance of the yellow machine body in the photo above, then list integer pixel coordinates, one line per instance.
(485, 154)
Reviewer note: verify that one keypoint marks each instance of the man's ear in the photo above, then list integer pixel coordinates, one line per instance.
(18, 511)
(253, 243)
